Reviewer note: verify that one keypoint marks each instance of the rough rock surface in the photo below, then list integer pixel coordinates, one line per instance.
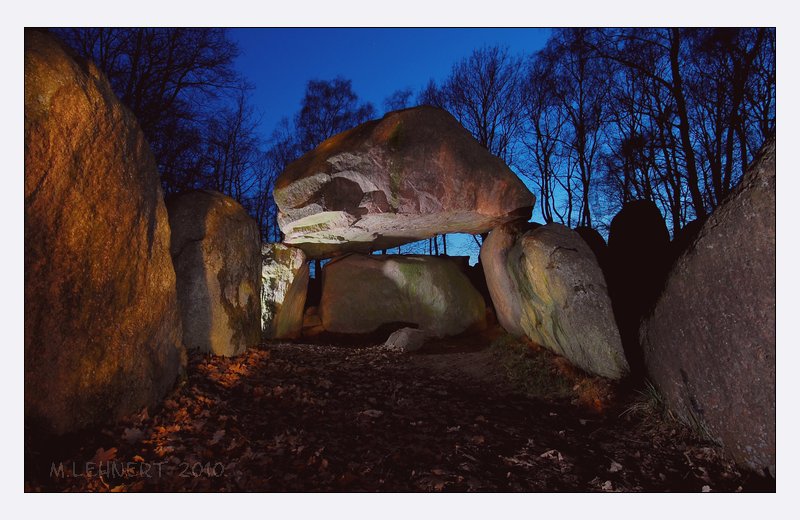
(284, 285)
(709, 344)
(102, 328)
(638, 253)
(216, 250)
(362, 292)
(408, 339)
(413, 174)
(546, 284)
(312, 323)
(597, 244)
(502, 285)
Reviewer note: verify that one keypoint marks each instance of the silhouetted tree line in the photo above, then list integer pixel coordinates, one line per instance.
(597, 118)
(600, 117)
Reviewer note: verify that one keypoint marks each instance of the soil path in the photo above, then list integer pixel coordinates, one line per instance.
(299, 417)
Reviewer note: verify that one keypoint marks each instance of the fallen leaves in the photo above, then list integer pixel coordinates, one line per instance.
(283, 420)
(102, 455)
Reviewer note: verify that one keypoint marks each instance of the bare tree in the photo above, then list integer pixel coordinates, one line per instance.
(398, 100)
(725, 63)
(484, 93)
(232, 149)
(542, 136)
(329, 107)
(166, 76)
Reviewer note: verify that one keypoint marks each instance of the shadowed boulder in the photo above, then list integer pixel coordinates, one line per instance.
(709, 345)
(411, 175)
(683, 239)
(284, 285)
(216, 250)
(597, 244)
(102, 328)
(546, 284)
(638, 254)
(362, 292)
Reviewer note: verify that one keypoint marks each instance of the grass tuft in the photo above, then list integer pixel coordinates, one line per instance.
(530, 370)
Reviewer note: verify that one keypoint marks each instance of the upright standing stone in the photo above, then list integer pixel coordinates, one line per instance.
(362, 292)
(216, 249)
(546, 283)
(638, 251)
(102, 328)
(284, 284)
(502, 284)
(598, 246)
(709, 345)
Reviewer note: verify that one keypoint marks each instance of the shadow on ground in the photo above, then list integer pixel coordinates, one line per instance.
(301, 417)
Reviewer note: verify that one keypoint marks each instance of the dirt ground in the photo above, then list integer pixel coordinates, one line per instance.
(335, 417)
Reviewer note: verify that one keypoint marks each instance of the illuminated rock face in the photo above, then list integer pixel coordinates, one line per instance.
(501, 284)
(709, 344)
(414, 174)
(102, 328)
(216, 250)
(284, 284)
(362, 292)
(546, 283)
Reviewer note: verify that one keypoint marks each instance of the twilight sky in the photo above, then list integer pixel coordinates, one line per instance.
(279, 61)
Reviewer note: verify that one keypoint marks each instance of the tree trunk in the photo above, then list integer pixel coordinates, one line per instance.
(683, 124)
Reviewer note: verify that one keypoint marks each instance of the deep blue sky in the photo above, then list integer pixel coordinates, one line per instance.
(280, 61)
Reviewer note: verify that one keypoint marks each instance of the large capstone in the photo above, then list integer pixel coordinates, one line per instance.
(216, 249)
(102, 328)
(709, 345)
(284, 284)
(412, 175)
(360, 293)
(546, 284)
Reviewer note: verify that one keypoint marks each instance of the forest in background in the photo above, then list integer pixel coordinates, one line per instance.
(596, 118)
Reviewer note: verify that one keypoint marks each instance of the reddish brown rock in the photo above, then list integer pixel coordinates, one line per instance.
(216, 249)
(102, 329)
(709, 344)
(411, 175)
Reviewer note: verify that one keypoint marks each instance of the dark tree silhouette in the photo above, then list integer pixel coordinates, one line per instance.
(329, 107)
(398, 100)
(672, 116)
(167, 77)
(484, 93)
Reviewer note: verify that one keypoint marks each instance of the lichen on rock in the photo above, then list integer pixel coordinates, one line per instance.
(284, 284)
(360, 293)
(216, 251)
